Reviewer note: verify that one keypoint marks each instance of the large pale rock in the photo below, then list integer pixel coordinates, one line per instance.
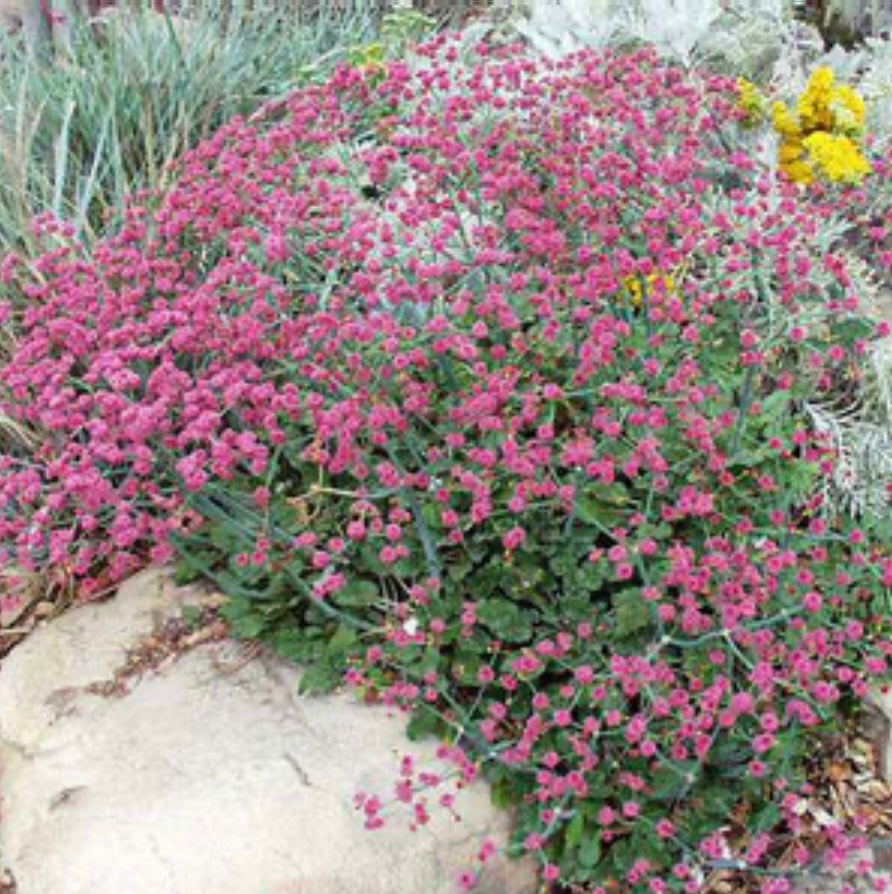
(878, 722)
(210, 776)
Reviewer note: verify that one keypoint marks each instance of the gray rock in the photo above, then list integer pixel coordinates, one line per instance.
(210, 776)
(855, 880)
(878, 727)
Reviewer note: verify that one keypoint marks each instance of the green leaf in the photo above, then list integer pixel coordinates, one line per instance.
(505, 619)
(296, 646)
(767, 817)
(621, 856)
(465, 666)
(191, 615)
(750, 458)
(426, 660)
(646, 845)
(592, 575)
(573, 832)
(729, 755)
(340, 642)
(488, 579)
(604, 506)
(776, 404)
(632, 612)
(248, 627)
(503, 795)
(590, 850)
(244, 621)
(184, 573)
(658, 531)
(430, 513)
(847, 331)
(357, 593)
(459, 568)
(669, 782)
(717, 800)
(425, 723)
(319, 679)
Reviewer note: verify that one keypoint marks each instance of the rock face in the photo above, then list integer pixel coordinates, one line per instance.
(210, 775)
(878, 726)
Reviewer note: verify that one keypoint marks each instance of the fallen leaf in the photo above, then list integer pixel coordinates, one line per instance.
(838, 772)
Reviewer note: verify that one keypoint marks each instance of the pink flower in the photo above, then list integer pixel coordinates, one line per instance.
(514, 538)
(320, 559)
(551, 872)
(763, 742)
(812, 602)
(562, 718)
(664, 828)
(467, 881)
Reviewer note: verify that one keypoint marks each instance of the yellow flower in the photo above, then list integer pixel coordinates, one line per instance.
(791, 157)
(836, 157)
(821, 137)
(656, 284)
(790, 150)
(813, 107)
(821, 80)
(784, 122)
(799, 172)
(371, 59)
(751, 101)
(847, 108)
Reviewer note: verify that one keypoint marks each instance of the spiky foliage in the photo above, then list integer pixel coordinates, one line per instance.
(128, 93)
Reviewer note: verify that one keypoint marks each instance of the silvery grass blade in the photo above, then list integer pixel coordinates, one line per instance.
(127, 94)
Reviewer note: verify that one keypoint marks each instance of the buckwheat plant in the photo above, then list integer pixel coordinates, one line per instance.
(376, 365)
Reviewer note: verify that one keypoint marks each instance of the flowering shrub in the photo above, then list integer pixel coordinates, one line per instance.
(376, 365)
(823, 136)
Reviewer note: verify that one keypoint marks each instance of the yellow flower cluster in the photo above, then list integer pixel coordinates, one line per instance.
(371, 59)
(823, 136)
(751, 101)
(836, 156)
(657, 284)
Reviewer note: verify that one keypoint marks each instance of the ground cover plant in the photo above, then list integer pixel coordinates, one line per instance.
(479, 381)
(127, 92)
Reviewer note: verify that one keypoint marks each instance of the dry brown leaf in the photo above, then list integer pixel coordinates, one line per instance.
(838, 772)
(876, 789)
(301, 509)
(213, 600)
